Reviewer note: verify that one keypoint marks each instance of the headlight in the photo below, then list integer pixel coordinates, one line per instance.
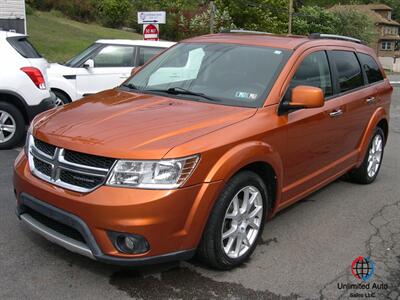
(161, 174)
(27, 140)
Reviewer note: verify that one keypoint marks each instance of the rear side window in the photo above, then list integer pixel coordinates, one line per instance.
(371, 68)
(23, 47)
(145, 53)
(348, 70)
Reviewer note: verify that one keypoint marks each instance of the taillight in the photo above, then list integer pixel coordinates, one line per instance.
(36, 76)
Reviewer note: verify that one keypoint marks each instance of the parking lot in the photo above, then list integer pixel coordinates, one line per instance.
(305, 252)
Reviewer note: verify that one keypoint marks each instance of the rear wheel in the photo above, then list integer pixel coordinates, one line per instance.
(235, 223)
(12, 126)
(369, 169)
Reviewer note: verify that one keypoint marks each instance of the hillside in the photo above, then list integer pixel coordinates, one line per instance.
(58, 38)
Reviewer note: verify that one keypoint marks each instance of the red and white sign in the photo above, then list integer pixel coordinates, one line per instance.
(150, 32)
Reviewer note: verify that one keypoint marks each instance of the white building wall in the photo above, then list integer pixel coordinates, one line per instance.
(12, 9)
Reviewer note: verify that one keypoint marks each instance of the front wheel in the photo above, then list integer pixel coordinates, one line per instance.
(369, 169)
(61, 98)
(235, 223)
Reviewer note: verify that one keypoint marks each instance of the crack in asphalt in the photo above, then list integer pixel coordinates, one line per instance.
(383, 247)
(184, 283)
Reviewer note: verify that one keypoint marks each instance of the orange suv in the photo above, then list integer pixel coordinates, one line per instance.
(196, 150)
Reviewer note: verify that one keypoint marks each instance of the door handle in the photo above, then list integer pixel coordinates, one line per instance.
(370, 100)
(336, 113)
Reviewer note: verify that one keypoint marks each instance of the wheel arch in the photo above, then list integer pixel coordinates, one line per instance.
(378, 119)
(62, 92)
(15, 100)
(255, 156)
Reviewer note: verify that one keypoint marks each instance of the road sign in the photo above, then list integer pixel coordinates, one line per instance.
(151, 17)
(150, 32)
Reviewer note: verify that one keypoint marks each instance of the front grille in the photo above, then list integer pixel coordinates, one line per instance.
(81, 180)
(45, 148)
(88, 160)
(55, 225)
(42, 167)
(71, 170)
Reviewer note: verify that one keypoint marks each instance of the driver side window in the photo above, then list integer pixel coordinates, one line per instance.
(313, 71)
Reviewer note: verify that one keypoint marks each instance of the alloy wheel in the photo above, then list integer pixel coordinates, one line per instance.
(59, 102)
(242, 222)
(7, 126)
(375, 155)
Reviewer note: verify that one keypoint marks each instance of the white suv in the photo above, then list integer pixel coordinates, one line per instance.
(24, 91)
(104, 65)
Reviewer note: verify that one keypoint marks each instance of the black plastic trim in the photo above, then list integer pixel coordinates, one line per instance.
(78, 224)
(46, 104)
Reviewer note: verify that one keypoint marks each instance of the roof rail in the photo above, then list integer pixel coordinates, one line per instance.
(243, 31)
(334, 37)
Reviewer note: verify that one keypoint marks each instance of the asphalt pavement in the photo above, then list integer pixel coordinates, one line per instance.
(306, 251)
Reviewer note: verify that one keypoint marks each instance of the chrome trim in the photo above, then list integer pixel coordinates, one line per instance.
(66, 162)
(56, 237)
(58, 163)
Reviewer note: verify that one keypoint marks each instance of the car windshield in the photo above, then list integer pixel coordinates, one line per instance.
(75, 60)
(228, 74)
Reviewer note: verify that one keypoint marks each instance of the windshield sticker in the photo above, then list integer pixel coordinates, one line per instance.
(277, 52)
(246, 95)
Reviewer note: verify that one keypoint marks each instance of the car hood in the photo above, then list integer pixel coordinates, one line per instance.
(122, 124)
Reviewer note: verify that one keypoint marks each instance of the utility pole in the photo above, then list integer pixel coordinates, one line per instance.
(290, 16)
(212, 16)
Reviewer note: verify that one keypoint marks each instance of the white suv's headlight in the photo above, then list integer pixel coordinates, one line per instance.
(146, 174)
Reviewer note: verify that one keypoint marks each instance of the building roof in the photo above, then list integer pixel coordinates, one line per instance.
(370, 10)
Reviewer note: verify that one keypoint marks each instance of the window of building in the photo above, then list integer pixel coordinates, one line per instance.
(386, 45)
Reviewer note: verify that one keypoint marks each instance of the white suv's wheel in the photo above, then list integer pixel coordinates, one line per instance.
(12, 125)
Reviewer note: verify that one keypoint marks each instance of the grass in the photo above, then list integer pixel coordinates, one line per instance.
(58, 38)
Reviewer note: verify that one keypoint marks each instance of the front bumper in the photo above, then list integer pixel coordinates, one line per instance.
(171, 221)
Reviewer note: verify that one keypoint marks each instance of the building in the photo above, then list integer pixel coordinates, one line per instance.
(12, 15)
(387, 41)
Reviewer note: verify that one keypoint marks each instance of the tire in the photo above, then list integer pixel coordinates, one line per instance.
(61, 98)
(363, 173)
(212, 250)
(12, 126)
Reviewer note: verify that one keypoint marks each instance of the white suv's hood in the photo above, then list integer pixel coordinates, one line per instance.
(57, 69)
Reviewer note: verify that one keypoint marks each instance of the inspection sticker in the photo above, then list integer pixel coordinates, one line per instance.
(246, 95)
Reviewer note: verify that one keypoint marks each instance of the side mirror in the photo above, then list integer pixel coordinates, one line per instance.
(89, 64)
(304, 97)
(135, 70)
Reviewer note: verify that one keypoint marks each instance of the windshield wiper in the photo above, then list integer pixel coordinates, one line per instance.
(182, 91)
(130, 86)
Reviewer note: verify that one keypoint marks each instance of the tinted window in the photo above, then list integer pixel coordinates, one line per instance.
(314, 71)
(23, 47)
(348, 70)
(145, 53)
(229, 74)
(371, 68)
(115, 56)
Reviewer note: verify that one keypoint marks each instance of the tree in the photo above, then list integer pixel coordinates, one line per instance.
(314, 19)
(261, 15)
(355, 24)
(112, 13)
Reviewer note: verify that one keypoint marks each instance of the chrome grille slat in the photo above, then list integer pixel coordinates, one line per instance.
(66, 174)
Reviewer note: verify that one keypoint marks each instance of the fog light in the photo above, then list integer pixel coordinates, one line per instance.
(129, 243)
